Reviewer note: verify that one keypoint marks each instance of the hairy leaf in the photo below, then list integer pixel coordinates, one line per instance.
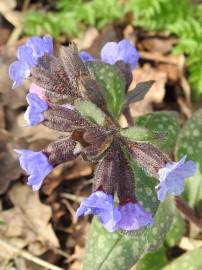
(90, 111)
(177, 230)
(113, 85)
(161, 122)
(191, 260)
(138, 93)
(106, 251)
(141, 134)
(153, 260)
(189, 143)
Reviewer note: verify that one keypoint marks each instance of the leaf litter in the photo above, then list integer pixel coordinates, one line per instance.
(41, 223)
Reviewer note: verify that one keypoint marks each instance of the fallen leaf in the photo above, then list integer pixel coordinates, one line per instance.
(80, 169)
(9, 164)
(107, 34)
(87, 39)
(34, 133)
(28, 220)
(156, 44)
(172, 71)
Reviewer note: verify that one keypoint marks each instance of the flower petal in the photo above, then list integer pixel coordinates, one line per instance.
(110, 53)
(25, 55)
(48, 44)
(128, 53)
(37, 46)
(172, 177)
(37, 90)
(85, 56)
(34, 112)
(18, 71)
(96, 202)
(133, 217)
(101, 204)
(36, 165)
(113, 52)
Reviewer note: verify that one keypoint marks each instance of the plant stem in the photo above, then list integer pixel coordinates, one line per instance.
(188, 212)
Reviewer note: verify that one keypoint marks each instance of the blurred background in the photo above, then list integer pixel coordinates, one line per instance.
(168, 35)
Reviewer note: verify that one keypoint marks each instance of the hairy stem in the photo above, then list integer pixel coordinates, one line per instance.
(188, 212)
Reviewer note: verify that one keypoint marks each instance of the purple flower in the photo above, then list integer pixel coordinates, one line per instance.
(101, 204)
(34, 112)
(25, 55)
(18, 71)
(40, 46)
(36, 165)
(28, 56)
(133, 217)
(172, 177)
(113, 52)
(85, 56)
(37, 90)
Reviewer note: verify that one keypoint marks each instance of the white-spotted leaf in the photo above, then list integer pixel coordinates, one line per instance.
(106, 251)
(112, 83)
(90, 111)
(165, 121)
(189, 143)
(191, 260)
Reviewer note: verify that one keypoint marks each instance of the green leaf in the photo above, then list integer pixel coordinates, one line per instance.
(138, 93)
(161, 121)
(90, 111)
(189, 143)
(106, 251)
(145, 190)
(112, 83)
(191, 260)
(193, 189)
(141, 134)
(176, 231)
(153, 261)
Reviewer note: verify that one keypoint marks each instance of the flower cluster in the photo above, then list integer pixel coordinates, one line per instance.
(113, 52)
(28, 56)
(58, 83)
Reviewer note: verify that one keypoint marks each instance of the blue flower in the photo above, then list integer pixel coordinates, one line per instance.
(85, 56)
(113, 52)
(28, 56)
(172, 177)
(40, 46)
(133, 217)
(36, 165)
(101, 204)
(18, 72)
(34, 112)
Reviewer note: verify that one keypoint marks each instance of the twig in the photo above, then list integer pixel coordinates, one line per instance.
(71, 211)
(186, 109)
(72, 197)
(188, 212)
(60, 252)
(159, 58)
(14, 35)
(25, 5)
(26, 255)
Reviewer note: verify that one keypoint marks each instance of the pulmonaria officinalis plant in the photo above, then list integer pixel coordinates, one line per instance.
(83, 97)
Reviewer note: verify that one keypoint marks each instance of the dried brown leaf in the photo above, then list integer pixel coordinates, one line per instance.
(28, 220)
